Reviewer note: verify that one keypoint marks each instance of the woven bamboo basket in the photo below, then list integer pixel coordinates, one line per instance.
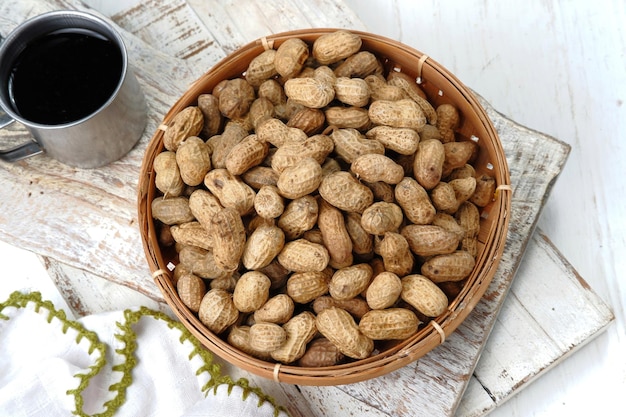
(441, 87)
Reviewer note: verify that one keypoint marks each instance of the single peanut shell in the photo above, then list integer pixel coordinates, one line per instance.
(229, 238)
(299, 216)
(401, 140)
(335, 236)
(382, 217)
(251, 291)
(424, 295)
(172, 210)
(217, 311)
(203, 206)
(191, 290)
(454, 266)
(304, 287)
(188, 122)
(258, 176)
(448, 120)
(309, 92)
(278, 309)
(267, 337)
(250, 152)
(262, 246)
(348, 282)
(414, 201)
(463, 188)
(310, 121)
(485, 191)
(345, 192)
(276, 132)
(194, 160)
(339, 327)
(444, 198)
(429, 240)
(351, 117)
(192, 233)
(321, 352)
(457, 154)
(350, 144)
(268, 203)
(335, 46)
(400, 113)
(428, 163)
(290, 57)
(352, 91)
(300, 180)
(273, 91)
(261, 68)
(375, 167)
(239, 337)
(389, 324)
(236, 97)
(396, 254)
(300, 255)
(384, 291)
(359, 66)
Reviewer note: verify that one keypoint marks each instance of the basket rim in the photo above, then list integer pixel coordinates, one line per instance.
(393, 358)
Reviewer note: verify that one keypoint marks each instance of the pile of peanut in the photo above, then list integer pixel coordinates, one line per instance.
(320, 209)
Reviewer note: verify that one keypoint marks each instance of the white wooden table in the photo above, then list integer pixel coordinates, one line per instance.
(542, 255)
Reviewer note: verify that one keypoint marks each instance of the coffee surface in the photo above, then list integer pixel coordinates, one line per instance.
(64, 76)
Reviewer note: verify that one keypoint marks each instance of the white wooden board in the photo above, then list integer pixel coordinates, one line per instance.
(549, 313)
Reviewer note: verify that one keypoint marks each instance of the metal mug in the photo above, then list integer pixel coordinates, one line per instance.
(95, 140)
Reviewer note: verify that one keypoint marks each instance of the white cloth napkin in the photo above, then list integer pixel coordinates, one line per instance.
(131, 363)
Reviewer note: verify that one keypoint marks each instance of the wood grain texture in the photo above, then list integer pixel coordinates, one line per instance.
(550, 313)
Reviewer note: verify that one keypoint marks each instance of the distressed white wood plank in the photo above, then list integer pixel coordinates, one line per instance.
(331, 402)
(86, 293)
(229, 21)
(172, 27)
(550, 313)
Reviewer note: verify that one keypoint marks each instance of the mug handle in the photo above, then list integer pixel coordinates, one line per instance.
(22, 151)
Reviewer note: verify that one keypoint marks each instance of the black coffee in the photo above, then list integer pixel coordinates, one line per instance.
(64, 76)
